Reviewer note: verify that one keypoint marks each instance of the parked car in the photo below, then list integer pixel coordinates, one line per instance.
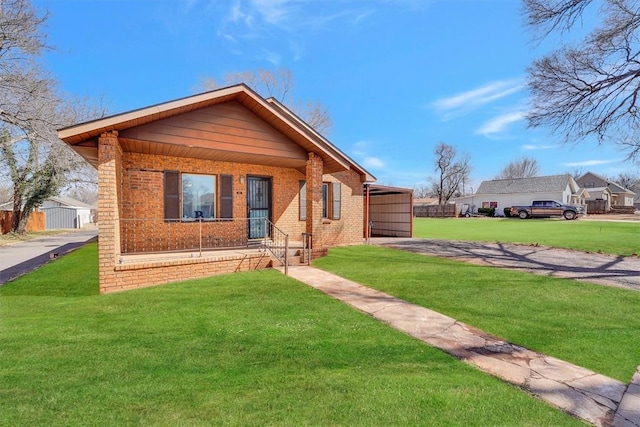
(545, 209)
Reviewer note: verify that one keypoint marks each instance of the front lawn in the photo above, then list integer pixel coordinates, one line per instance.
(244, 349)
(593, 326)
(618, 238)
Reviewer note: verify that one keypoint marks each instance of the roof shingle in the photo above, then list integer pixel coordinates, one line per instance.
(535, 184)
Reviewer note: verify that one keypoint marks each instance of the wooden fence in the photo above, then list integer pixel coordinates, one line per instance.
(596, 207)
(36, 221)
(435, 211)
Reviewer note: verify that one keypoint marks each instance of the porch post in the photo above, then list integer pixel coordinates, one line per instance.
(314, 200)
(109, 177)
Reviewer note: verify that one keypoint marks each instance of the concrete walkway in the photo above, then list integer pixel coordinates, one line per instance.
(20, 258)
(595, 398)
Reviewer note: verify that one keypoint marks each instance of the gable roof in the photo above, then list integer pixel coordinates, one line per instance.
(613, 186)
(69, 201)
(83, 137)
(62, 200)
(536, 184)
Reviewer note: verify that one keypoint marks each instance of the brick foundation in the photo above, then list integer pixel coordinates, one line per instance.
(149, 273)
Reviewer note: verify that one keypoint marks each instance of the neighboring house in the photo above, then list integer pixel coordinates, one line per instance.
(504, 193)
(600, 188)
(204, 172)
(61, 212)
(65, 212)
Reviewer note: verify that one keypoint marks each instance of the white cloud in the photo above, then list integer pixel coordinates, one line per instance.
(252, 21)
(470, 100)
(272, 11)
(529, 147)
(373, 163)
(270, 56)
(591, 163)
(360, 147)
(500, 123)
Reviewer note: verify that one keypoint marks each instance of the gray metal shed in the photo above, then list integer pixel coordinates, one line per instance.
(65, 217)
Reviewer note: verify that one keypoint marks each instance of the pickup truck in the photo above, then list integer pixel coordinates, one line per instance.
(546, 208)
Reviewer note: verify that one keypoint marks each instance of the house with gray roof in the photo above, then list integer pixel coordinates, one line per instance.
(504, 193)
(601, 188)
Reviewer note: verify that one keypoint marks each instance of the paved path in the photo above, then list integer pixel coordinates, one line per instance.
(595, 398)
(603, 269)
(20, 258)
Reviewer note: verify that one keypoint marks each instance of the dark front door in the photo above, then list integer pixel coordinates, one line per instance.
(258, 205)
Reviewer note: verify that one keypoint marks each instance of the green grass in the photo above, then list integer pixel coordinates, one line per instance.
(618, 238)
(593, 326)
(245, 349)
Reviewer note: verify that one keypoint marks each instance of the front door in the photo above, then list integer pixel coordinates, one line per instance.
(258, 205)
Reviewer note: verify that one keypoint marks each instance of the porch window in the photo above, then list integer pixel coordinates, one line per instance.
(189, 196)
(198, 196)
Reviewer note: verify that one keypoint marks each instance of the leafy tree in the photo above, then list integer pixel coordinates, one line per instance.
(590, 87)
(525, 167)
(279, 85)
(451, 172)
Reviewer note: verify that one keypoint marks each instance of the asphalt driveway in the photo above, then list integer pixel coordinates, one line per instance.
(20, 258)
(610, 270)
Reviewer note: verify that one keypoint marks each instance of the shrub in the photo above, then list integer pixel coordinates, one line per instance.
(487, 211)
(507, 211)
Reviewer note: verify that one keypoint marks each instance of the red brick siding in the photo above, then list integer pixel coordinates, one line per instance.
(131, 186)
(348, 229)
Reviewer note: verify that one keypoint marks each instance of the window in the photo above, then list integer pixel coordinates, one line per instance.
(325, 200)
(302, 203)
(198, 196)
(331, 200)
(190, 196)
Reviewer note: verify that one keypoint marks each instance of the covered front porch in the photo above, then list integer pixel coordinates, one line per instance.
(218, 182)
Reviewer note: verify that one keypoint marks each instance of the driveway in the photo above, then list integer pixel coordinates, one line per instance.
(20, 258)
(610, 270)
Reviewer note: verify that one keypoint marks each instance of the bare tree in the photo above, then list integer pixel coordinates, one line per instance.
(85, 193)
(279, 85)
(589, 88)
(629, 180)
(525, 167)
(451, 171)
(576, 172)
(422, 192)
(32, 159)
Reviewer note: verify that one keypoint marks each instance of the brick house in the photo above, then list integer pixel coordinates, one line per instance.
(187, 187)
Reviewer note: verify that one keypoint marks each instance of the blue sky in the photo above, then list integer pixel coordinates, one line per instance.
(397, 77)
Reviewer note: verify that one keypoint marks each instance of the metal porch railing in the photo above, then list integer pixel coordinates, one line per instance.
(146, 235)
(277, 242)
